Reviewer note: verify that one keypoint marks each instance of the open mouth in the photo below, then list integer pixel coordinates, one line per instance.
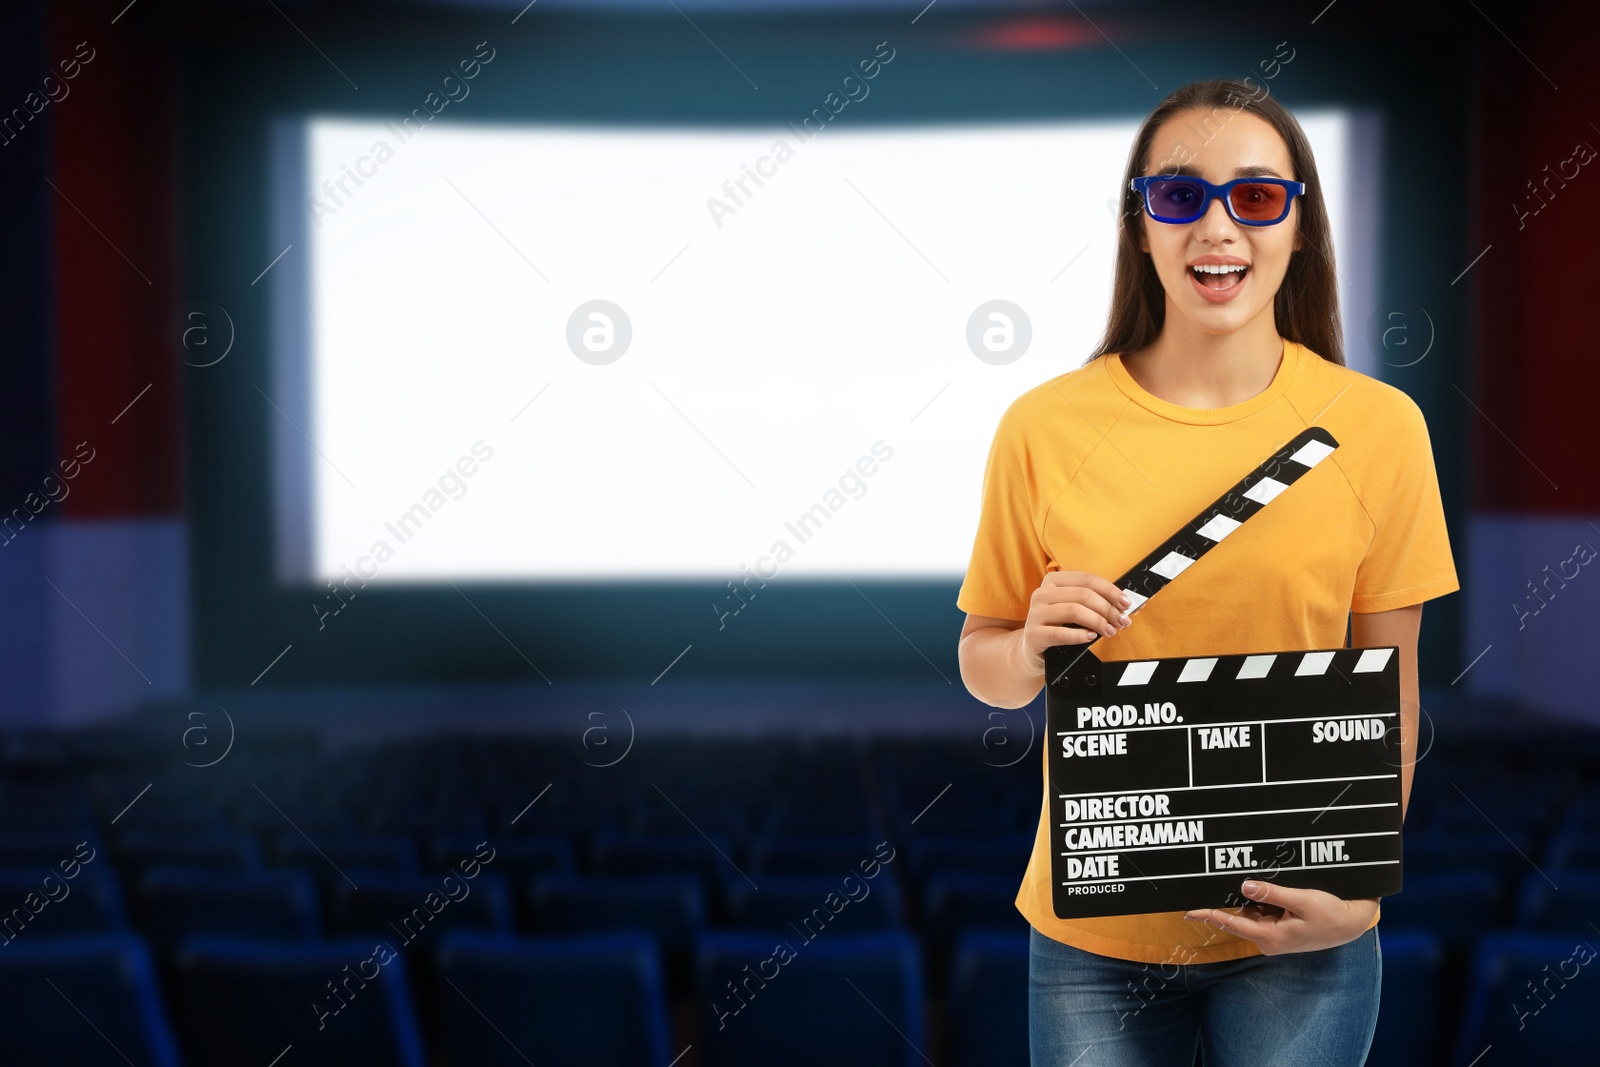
(1219, 277)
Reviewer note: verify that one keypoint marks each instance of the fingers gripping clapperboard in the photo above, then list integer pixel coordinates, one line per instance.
(1172, 780)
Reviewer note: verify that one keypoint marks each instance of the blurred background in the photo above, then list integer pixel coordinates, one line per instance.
(484, 488)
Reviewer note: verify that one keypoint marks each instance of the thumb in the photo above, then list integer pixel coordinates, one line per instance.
(1286, 897)
(1265, 892)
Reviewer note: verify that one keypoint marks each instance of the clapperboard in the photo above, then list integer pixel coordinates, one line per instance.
(1172, 780)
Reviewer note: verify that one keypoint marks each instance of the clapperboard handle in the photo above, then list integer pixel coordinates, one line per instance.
(1202, 533)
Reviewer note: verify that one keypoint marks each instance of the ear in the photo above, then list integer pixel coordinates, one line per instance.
(1144, 241)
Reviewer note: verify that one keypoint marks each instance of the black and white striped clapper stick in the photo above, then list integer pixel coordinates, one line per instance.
(1206, 530)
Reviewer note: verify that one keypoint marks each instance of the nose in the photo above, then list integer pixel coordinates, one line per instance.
(1216, 225)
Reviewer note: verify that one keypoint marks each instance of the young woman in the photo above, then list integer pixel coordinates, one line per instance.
(1223, 343)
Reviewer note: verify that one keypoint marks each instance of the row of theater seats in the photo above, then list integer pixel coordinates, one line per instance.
(601, 1000)
(169, 903)
(597, 999)
(1455, 886)
(604, 929)
(247, 887)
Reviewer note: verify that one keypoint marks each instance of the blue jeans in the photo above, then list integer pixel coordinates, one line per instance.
(1313, 1008)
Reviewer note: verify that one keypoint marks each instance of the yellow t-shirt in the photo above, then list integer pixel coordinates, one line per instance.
(1089, 472)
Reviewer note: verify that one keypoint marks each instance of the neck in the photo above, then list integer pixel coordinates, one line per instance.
(1191, 368)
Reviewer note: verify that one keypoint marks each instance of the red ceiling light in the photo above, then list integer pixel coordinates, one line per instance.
(1037, 34)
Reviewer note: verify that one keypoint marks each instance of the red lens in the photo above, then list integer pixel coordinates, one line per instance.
(1258, 203)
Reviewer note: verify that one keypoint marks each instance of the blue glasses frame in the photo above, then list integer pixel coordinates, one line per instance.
(1221, 192)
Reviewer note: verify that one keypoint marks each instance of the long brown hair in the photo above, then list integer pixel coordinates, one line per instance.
(1307, 302)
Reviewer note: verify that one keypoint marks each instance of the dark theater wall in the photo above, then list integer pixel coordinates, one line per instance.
(27, 388)
(95, 567)
(1535, 338)
(1531, 591)
(116, 225)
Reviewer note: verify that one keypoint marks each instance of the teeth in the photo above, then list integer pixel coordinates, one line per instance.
(1214, 268)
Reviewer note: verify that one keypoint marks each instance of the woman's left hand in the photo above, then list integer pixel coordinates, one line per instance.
(1286, 919)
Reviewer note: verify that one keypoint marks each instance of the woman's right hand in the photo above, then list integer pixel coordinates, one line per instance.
(1071, 608)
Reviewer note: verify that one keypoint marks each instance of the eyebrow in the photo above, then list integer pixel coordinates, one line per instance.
(1242, 172)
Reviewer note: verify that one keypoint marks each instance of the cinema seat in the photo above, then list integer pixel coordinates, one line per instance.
(661, 819)
(988, 1005)
(829, 854)
(245, 1001)
(1007, 855)
(393, 854)
(88, 1000)
(543, 821)
(1410, 1009)
(384, 903)
(175, 903)
(847, 1000)
(260, 818)
(1526, 816)
(625, 854)
(828, 816)
(68, 818)
(429, 823)
(786, 902)
(45, 850)
(957, 901)
(981, 824)
(1554, 1026)
(1489, 851)
(1575, 850)
(1454, 906)
(516, 859)
(1573, 908)
(86, 904)
(670, 907)
(170, 820)
(1583, 816)
(555, 1001)
(140, 850)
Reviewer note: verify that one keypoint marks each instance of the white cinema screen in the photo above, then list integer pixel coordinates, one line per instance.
(791, 309)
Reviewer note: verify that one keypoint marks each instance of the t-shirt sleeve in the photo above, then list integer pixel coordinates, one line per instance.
(1008, 560)
(1409, 559)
